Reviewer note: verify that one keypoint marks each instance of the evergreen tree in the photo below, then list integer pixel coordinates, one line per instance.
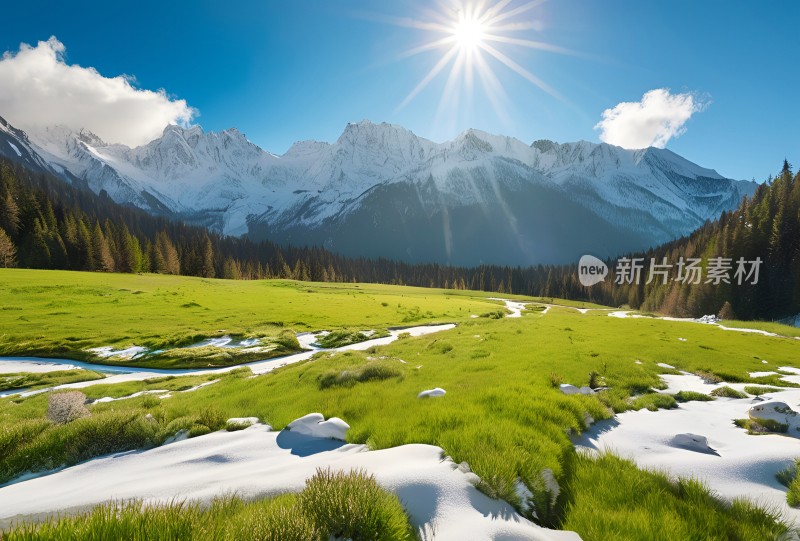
(8, 252)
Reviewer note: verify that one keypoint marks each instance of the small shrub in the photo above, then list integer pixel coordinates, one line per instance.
(212, 418)
(727, 392)
(287, 340)
(758, 390)
(788, 474)
(353, 506)
(63, 408)
(556, 379)
(149, 401)
(689, 396)
(708, 377)
(654, 402)
(761, 426)
(594, 380)
(371, 371)
(793, 495)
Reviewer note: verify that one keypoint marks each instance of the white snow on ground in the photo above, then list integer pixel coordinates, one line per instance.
(755, 331)
(761, 374)
(432, 393)
(314, 424)
(707, 320)
(567, 388)
(17, 367)
(226, 342)
(737, 464)
(106, 352)
(515, 307)
(665, 365)
(134, 395)
(441, 500)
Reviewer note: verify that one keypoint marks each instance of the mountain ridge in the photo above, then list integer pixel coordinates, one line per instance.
(224, 181)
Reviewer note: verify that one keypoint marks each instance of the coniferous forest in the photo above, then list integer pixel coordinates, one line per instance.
(46, 223)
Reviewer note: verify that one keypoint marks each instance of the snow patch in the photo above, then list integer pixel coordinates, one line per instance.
(438, 495)
(432, 393)
(314, 424)
(129, 353)
(567, 388)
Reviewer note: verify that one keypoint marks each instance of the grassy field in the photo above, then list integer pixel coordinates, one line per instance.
(777, 328)
(63, 314)
(501, 414)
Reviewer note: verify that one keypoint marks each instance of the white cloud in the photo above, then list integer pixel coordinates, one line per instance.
(655, 120)
(38, 88)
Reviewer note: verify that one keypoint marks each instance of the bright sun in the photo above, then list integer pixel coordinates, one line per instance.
(471, 35)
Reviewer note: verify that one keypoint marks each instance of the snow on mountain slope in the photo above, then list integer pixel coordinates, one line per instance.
(376, 170)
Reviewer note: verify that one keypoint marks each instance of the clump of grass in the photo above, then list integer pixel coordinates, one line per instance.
(727, 392)
(440, 346)
(788, 478)
(353, 506)
(708, 377)
(665, 508)
(332, 505)
(63, 408)
(494, 314)
(788, 474)
(653, 402)
(761, 426)
(758, 390)
(337, 339)
(556, 380)
(689, 396)
(370, 371)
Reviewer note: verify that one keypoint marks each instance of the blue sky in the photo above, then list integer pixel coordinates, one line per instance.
(286, 71)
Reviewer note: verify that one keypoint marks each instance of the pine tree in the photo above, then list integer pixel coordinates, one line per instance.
(101, 250)
(207, 269)
(8, 251)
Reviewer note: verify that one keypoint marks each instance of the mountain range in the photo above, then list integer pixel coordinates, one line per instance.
(381, 191)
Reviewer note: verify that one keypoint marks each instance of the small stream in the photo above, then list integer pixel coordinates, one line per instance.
(306, 340)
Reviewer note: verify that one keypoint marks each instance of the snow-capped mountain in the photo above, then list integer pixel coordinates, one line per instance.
(380, 190)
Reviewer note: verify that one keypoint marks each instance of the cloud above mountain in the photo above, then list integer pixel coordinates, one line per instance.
(39, 88)
(653, 121)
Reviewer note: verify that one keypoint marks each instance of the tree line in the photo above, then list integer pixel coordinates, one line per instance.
(48, 224)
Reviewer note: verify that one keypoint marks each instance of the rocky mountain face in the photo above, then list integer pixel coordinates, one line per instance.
(381, 191)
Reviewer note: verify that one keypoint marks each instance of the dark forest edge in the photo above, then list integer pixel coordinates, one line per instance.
(46, 223)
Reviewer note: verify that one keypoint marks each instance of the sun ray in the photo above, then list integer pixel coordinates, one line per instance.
(430, 76)
(466, 29)
(522, 72)
(513, 13)
(541, 45)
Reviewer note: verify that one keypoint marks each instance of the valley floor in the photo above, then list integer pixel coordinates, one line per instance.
(481, 391)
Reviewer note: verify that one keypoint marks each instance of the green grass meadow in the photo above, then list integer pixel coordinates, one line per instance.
(501, 414)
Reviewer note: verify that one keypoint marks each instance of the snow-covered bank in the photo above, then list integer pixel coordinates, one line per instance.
(737, 464)
(124, 374)
(515, 307)
(705, 320)
(32, 366)
(440, 499)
